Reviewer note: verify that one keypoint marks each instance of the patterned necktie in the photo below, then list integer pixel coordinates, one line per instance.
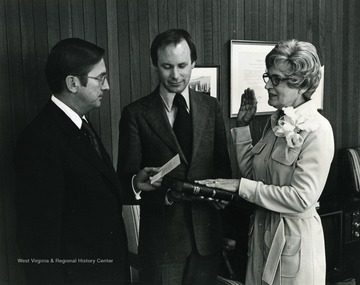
(90, 135)
(183, 126)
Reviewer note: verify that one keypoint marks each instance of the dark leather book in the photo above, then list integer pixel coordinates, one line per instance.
(199, 190)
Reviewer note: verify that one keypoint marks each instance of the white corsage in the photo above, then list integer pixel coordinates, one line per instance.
(290, 125)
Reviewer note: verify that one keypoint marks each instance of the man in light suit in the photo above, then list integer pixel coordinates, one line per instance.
(69, 223)
(180, 238)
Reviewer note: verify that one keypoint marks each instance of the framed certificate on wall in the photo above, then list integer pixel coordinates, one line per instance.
(247, 65)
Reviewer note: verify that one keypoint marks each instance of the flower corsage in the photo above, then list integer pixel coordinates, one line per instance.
(290, 125)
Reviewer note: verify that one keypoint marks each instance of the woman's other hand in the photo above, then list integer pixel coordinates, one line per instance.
(231, 185)
(247, 108)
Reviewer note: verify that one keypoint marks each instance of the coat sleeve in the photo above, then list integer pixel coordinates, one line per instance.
(307, 181)
(221, 153)
(133, 142)
(243, 145)
(39, 205)
(129, 155)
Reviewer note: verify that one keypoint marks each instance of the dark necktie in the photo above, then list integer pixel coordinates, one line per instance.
(90, 135)
(281, 113)
(183, 126)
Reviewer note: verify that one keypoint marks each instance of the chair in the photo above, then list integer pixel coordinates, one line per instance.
(349, 200)
(131, 214)
(350, 171)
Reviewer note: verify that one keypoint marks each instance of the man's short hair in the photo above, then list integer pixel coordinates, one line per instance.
(71, 56)
(172, 36)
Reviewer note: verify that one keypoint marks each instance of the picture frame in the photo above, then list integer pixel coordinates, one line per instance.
(205, 79)
(247, 65)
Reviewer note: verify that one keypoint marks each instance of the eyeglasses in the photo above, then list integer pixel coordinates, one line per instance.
(100, 79)
(275, 79)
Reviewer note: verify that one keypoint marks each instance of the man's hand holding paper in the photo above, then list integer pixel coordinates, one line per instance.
(142, 180)
(166, 168)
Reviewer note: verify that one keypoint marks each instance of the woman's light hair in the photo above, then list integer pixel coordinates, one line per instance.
(299, 61)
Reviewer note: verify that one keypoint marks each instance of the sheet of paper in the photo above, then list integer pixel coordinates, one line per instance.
(166, 168)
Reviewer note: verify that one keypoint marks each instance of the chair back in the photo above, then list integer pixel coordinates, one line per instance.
(350, 171)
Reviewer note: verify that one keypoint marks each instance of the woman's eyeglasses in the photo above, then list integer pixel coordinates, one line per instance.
(275, 79)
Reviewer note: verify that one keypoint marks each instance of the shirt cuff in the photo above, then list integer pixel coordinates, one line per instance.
(247, 189)
(167, 202)
(137, 194)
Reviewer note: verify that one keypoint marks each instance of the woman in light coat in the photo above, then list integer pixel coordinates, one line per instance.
(285, 172)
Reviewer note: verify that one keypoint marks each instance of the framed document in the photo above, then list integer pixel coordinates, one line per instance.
(318, 95)
(205, 79)
(247, 65)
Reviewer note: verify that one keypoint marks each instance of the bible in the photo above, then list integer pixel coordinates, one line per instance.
(199, 190)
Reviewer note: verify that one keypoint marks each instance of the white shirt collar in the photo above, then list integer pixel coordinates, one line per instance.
(68, 111)
(168, 97)
(307, 107)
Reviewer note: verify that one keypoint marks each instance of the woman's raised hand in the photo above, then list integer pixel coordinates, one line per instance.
(247, 108)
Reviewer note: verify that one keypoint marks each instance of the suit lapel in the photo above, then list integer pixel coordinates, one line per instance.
(79, 144)
(199, 113)
(84, 149)
(156, 117)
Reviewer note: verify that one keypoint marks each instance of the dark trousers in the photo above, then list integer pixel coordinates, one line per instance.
(192, 270)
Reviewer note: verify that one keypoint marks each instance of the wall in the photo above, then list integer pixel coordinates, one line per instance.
(29, 28)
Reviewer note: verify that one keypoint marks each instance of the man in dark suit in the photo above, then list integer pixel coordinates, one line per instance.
(180, 238)
(69, 222)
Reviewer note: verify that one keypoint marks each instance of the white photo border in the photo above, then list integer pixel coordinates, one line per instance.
(207, 71)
